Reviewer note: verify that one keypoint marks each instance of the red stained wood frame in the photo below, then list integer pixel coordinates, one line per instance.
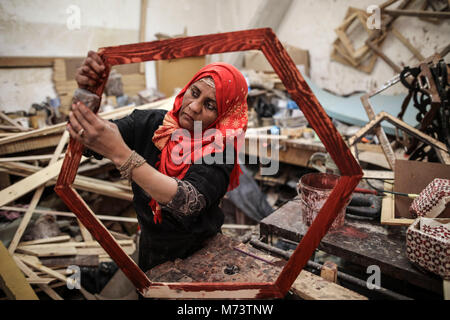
(257, 39)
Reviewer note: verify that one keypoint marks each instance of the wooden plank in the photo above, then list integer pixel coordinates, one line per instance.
(142, 28)
(440, 147)
(129, 250)
(379, 53)
(64, 262)
(408, 44)
(113, 114)
(388, 209)
(446, 287)
(417, 13)
(40, 280)
(47, 252)
(329, 271)
(36, 264)
(384, 141)
(30, 183)
(36, 197)
(74, 244)
(112, 189)
(50, 136)
(72, 215)
(308, 286)
(12, 122)
(28, 158)
(26, 62)
(32, 275)
(12, 280)
(45, 240)
(374, 158)
(378, 174)
(61, 251)
(32, 143)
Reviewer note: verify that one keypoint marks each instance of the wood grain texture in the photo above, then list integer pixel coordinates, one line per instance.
(257, 39)
(103, 236)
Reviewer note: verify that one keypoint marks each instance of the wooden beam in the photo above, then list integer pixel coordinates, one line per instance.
(12, 280)
(28, 158)
(30, 183)
(440, 147)
(388, 209)
(378, 174)
(59, 128)
(12, 122)
(45, 240)
(36, 264)
(36, 197)
(417, 13)
(308, 286)
(26, 62)
(446, 288)
(408, 44)
(379, 53)
(34, 279)
(384, 141)
(71, 215)
(142, 28)
(329, 271)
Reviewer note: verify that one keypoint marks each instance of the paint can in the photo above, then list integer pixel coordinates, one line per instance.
(314, 189)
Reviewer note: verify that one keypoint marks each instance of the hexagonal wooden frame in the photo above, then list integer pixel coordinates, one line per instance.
(257, 39)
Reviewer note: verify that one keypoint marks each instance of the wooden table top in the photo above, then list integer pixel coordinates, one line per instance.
(362, 242)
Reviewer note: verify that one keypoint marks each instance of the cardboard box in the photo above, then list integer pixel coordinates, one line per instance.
(255, 59)
(176, 73)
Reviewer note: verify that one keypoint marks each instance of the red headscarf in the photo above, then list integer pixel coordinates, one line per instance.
(231, 122)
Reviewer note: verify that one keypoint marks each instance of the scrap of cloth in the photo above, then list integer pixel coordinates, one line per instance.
(229, 127)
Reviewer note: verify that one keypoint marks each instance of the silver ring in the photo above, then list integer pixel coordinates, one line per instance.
(80, 133)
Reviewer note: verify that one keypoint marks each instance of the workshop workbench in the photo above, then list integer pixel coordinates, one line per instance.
(292, 151)
(224, 259)
(361, 242)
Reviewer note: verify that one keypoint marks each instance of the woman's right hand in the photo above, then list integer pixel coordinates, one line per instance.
(92, 71)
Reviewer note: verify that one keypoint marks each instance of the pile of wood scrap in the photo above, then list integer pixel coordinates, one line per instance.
(376, 27)
(30, 162)
(64, 70)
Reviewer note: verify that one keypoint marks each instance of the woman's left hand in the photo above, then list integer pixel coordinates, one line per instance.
(97, 134)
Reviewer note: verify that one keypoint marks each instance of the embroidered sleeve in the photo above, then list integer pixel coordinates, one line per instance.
(188, 201)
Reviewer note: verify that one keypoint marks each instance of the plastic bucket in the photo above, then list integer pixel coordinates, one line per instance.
(314, 189)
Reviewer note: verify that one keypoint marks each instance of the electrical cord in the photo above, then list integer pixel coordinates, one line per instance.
(382, 191)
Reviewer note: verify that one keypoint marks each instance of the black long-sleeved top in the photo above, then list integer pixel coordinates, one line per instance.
(178, 235)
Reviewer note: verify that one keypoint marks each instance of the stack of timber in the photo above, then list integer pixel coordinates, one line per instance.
(64, 70)
(30, 162)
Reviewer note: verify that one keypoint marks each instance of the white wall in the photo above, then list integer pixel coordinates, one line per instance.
(39, 28)
(310, 25)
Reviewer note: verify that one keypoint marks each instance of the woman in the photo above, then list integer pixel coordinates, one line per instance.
(176, 193)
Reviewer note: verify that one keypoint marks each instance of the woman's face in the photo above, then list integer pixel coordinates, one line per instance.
(199, 104)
